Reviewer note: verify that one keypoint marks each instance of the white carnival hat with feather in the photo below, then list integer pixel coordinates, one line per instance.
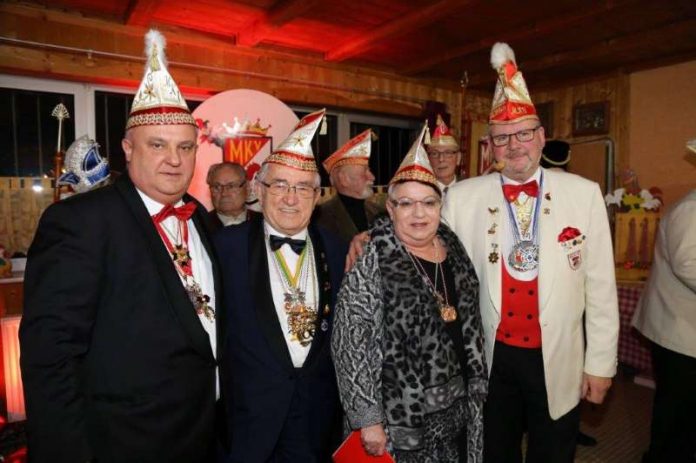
(511, 100)
(158, 100)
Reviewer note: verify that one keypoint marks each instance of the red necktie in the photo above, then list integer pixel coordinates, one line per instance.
(511, 192)
(183, 213)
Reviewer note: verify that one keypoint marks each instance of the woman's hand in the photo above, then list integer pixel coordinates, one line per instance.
(374, 440)
(356, 249)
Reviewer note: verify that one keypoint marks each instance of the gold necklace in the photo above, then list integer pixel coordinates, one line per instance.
(447, 311)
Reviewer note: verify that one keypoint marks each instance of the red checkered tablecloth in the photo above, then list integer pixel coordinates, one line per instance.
(633, 349)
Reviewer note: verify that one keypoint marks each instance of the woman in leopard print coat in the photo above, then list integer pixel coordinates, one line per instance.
(407, 340)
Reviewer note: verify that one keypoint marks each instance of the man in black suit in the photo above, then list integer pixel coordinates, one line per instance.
(228, 192)
(281, 276)
(119, 331)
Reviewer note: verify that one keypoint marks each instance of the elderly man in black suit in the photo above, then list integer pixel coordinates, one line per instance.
(120, 331)
(281, 275)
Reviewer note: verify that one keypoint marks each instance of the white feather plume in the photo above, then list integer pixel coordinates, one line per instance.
(501, 53)
(154, 38)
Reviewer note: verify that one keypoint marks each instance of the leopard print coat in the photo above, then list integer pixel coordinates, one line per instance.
(394, 362)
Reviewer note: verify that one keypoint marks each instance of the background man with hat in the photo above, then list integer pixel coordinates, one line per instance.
(354, 207)
(444, 155)
(541, 246)
(281, 276)
(120, 328)
(555, 155)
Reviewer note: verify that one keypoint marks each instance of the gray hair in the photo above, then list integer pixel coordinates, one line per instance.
(263, 171)
(215, 168)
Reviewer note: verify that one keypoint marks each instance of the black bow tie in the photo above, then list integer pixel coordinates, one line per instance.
(296, 245)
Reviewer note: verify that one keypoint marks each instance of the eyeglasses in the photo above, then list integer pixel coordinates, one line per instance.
(522, 136)
(220, 187)
(409, 205)
(442, 154)
(280, 187)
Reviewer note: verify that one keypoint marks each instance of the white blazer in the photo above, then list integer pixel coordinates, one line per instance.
(667, 310)
(572, 281)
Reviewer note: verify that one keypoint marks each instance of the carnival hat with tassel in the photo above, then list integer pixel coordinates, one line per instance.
(415, 166)
(356, 152)
(442, 135)
(158, 100)
(296, 150)
(511, 101)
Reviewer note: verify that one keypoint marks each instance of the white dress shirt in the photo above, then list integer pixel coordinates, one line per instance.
(448, 186)
(201, 267)
(232, 219)
(298, 352)
(508, 240)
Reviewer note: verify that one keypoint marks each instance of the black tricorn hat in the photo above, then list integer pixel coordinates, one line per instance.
(556, 153)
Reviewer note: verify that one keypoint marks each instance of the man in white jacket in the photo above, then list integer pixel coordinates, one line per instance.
(667, 316)
(541, 245)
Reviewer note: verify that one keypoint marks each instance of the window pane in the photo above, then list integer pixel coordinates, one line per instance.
(31, 132)
(7, 149)
(387, 152)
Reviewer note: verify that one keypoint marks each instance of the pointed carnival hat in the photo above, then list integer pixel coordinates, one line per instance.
(158, 100)
(296, 150)
(442, 135)
(415, 166)
(511, 101)
(356, 152)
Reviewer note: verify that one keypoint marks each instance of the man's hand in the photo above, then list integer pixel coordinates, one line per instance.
(594, 388)
(356, 249)
(374, 440)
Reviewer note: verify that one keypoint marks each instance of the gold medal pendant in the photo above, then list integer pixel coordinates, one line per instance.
(448, 313)
(301, 319)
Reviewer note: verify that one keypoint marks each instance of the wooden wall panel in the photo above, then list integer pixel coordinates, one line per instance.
(203, 64)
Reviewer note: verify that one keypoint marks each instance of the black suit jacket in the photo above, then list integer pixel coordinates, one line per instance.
(260, 376)
(334, 216)
(115, 362)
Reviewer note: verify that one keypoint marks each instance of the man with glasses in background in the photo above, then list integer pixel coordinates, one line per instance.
(281, 275)
(228, 192)
(444, 156)
(541, 246)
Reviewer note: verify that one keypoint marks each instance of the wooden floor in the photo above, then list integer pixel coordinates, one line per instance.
(621, 425)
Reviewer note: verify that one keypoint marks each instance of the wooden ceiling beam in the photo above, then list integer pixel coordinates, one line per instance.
(280, 14)
(603, 49)
(541, 28)
(140, 12)
(407, 23)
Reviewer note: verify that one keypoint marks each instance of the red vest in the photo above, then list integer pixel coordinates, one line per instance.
(519, 321)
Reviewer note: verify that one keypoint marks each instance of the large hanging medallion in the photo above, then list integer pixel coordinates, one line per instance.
(524, 256)
(447, 311)
(301, 318)
(200, 300)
